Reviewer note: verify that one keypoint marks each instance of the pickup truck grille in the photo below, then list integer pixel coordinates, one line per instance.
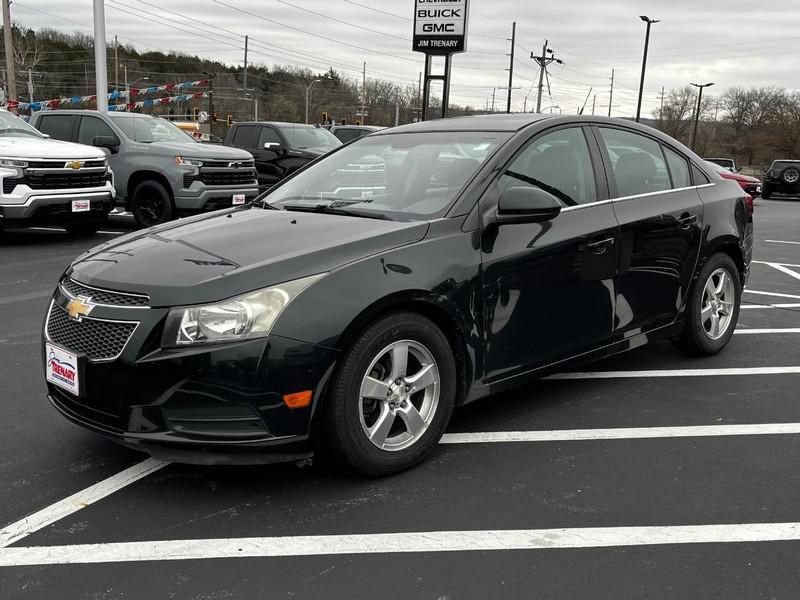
(228, 177)
(226, 164)
(61, 164)
(56, 181)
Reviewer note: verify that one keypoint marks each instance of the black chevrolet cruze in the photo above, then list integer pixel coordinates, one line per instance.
(352, 307)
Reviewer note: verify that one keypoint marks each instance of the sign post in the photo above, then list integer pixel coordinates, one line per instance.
(440, 29)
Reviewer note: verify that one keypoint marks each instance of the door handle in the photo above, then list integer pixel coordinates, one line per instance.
(687, 220)
(600, 246)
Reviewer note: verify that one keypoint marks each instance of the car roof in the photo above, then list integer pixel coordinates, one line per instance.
(496, 122)
(370, 127)
(277, 124)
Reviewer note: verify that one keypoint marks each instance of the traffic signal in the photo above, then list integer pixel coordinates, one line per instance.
(195, 113)
(358, 121)
(344, 121)
(324, 117)
(229, 120)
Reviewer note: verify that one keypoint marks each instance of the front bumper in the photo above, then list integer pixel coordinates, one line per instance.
(214, 404)
(57, 208)
(199, 197)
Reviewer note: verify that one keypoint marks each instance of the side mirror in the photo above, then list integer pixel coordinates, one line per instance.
(273, 147)
(106, 141)
(527, 205)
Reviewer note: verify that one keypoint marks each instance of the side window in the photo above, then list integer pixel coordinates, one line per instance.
(58, 127)
(347, 135)
(268, 136)
(557, 162)
(637, 162)
(245, 137)
(698, 176)
(91, 127)
(678, 168)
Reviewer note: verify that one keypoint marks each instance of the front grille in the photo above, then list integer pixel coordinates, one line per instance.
(9, 185)
(107, 297)
(228, 178)
(60, 164)
(226, 164)
(98, 340)
(60, 181)
(188, 180)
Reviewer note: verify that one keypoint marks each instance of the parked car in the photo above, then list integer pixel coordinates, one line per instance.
(728, 163)
(751, 185)
(49, 182)
(160, 172)
(781, 177)
(352, 319)
(280, 149)
(348, 133)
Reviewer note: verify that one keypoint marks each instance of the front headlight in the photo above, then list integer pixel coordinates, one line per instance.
(13, 163)
(248, 316)
(187, 162)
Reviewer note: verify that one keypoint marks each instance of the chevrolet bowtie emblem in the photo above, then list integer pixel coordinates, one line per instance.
(74, 164)
(79, 307)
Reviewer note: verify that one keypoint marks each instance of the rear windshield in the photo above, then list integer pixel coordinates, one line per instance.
(782, 164)
(146, 129)
(724, 162)
(301, 137)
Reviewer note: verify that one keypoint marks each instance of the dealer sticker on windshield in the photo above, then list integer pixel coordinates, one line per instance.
(81, 206)
(62, 368)
(238, 199)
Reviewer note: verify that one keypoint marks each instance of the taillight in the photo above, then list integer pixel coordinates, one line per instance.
(748, 200)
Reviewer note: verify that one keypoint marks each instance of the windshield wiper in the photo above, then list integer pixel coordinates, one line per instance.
(263, 204)
(336, 208)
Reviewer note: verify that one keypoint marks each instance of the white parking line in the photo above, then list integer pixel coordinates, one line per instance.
(63, 508)
(777, 294)
(399, 543)
(767, 331)
(781, 242)
(677, 373)
(753, 306)
(763, 262)
(784, 269)
(623, 433)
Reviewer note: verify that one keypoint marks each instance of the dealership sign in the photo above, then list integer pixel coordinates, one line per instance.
(440, 26)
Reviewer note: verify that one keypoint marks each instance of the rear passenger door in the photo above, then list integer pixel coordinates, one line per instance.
(58, 127)
(661, 219)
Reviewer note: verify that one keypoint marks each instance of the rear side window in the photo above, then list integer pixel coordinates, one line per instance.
(92, 127)
(557, 162)
(347, 135)
(637, 162)
(58, 127)
(245, 137)
(678, 168)
(268, 136)
(698, 176)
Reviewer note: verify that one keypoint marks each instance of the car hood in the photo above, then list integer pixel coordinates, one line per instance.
(203, 151)
(33, 147)
(213, 257)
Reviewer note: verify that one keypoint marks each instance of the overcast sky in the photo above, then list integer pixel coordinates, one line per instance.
(729, 42)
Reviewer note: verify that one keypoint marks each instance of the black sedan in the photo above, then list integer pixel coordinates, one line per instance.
(351, 308)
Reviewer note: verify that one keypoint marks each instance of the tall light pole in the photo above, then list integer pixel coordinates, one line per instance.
(700, 87)
(308, 92)
(11, 77)
(100, 66)
(649, 22)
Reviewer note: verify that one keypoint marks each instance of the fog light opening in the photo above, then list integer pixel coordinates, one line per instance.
(298, 399)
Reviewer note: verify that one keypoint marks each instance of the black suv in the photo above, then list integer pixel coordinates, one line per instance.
(782, 177)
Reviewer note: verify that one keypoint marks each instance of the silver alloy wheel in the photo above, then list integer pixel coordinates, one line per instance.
(716, 309)
(399, 395)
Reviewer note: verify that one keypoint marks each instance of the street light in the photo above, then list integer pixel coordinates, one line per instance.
(649, 22)
(700, 86)
(308, 92)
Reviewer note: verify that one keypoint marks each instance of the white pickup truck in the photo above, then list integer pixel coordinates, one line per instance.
(45, 181)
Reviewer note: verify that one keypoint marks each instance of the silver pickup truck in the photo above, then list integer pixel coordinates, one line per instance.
(44, 181)
(160, 172)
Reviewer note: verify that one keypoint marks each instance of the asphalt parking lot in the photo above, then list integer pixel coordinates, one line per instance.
(648, 475)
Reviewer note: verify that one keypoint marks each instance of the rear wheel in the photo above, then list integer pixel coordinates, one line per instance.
(392, 395)
(713, 309)
(82, 229)
(151, 204)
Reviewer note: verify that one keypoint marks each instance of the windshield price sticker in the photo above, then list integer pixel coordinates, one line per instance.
(440, 26)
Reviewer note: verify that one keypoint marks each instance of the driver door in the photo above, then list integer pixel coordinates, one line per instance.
(549, 287)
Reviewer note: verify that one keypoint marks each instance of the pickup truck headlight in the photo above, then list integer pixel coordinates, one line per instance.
(13, 163)
(187, 162)
(248, 316)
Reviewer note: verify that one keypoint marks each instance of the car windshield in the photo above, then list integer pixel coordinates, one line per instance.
(12, 125)
(723, 162)
(404, 176)
(146, 129)
(717, 167)
(302, 137)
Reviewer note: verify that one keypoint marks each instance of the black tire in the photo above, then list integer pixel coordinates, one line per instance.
(82, 229)
(151, 204)
(695, 338)
(765, 192)
(790, 175)
(344, 424)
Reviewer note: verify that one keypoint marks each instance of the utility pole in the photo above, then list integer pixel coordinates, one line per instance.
(511, 65)
(545, 59)
(494, 89)
(611, 94)
(211, 102)
(30, 85)
(100, 64)
(308, 93)
(116, 64)
(661, 110)
(419, 93)
(700, 87)
(397, 109)
(364, 95)
(244, 77)
(11, 76)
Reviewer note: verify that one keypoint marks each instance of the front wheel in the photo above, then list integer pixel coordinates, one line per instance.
(151, 204)
(713, 308)
(392, 395)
